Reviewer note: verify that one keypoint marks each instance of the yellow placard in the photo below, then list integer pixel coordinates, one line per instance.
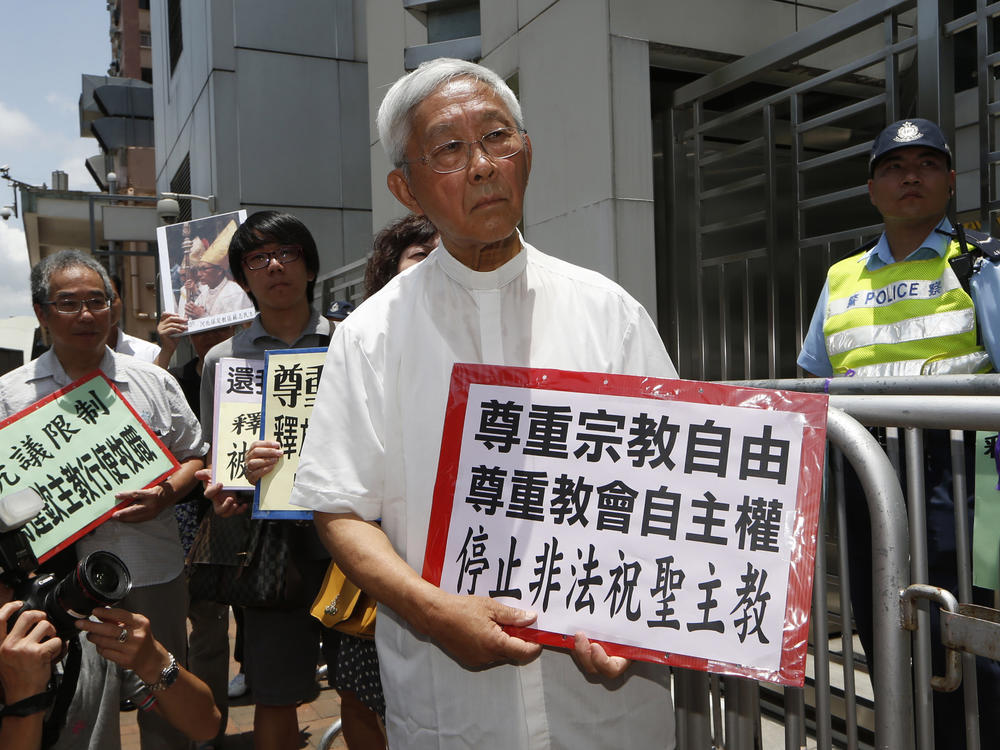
(238, 392)
(291, 380)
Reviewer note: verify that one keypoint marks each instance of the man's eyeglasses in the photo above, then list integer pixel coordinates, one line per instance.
(453, 156)
(284, 255)
(71, 306)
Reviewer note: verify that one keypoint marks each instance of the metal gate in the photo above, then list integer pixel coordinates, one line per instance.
(762, 184)
(901, 714)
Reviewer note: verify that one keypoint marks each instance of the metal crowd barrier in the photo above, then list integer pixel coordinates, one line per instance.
(726, 712)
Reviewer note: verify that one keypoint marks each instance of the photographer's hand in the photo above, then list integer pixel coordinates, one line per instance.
(26, 653)
(137, 650)
(127, 639)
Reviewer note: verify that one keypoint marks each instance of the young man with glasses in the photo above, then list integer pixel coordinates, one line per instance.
(273, 257)
(72, 296)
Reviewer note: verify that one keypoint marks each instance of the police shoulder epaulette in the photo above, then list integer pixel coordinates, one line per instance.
(987, 245)
(863, 249)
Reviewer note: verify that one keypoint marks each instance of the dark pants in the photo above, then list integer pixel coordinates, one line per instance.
(942, 566)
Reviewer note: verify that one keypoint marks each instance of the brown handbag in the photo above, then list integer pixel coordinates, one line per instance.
(248, 563)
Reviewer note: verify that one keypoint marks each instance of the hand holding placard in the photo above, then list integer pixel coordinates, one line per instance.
(225, 503)
(471, 629)
(146, 504)
(593, 659)
(261, 458)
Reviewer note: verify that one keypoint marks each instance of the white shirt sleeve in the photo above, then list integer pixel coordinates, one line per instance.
(342, 468)
(133, 346)
(186, 439)
(642, 350)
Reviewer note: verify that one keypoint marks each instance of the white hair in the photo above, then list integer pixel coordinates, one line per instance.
(394, 120)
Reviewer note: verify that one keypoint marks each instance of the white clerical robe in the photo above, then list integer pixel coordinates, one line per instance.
(372, 449)
(228, 296)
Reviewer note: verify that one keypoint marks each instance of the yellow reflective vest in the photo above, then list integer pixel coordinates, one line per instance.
(906, 318)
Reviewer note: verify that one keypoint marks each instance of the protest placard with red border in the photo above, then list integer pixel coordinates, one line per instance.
(809, 410)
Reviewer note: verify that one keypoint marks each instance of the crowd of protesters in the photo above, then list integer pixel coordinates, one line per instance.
(80, 306)
(443, 670)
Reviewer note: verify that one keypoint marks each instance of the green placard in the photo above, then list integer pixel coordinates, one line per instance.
(986, 531)
(77, 448)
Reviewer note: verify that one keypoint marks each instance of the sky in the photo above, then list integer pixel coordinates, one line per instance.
(48, 45)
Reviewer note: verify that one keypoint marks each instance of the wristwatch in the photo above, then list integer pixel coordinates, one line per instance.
(168, 676)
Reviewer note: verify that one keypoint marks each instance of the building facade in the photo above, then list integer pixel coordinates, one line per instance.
(264, 106)
(116, 110)
(584, 71)
(710, 156)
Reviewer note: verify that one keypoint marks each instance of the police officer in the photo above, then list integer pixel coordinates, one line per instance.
(923, 299)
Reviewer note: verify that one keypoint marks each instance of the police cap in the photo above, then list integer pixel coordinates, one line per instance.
(912, 132)
(339, 309)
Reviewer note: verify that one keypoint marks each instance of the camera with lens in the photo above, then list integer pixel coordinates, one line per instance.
(99, 580)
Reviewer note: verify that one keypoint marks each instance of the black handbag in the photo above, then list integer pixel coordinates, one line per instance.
(248, 563)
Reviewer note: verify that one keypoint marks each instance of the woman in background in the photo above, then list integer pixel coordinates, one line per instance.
(401, 244)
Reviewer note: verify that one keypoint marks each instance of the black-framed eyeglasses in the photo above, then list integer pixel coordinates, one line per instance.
(72, 306)
(262, 259)
(453, 156)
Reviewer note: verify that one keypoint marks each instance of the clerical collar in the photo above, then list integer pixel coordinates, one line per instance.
(482, 280)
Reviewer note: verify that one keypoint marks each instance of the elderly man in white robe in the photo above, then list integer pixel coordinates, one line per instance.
(453, 678)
